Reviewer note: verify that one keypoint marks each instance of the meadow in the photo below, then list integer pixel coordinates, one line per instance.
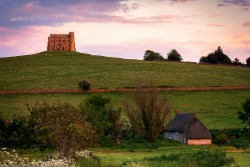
(56, 70)
(216, 109)
(116, 157)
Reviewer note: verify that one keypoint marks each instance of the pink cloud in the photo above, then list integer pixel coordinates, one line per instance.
(3, 29)
(215, 25)
(156, 19)
(246, 42)
(246, 24)
(246, 9)
(32, 7)
(182, 1)
(215, 15)
(236, 36)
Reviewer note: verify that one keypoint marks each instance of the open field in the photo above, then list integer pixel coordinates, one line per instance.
(115, 157)
(58, 70)
(216, 109)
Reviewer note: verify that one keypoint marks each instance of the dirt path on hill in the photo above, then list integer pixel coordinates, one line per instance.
(2, 92)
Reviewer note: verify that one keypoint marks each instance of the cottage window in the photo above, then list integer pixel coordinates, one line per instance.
(176, 133)
(170, 137)
(185, 140)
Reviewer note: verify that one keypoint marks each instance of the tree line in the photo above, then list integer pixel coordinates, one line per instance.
(216, 57)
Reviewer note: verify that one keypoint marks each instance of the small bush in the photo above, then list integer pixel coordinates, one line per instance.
(240, 143)
(84, 84)
(86, 158)
(231, 133)
(221, 139)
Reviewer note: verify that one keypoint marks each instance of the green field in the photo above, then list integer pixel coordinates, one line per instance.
(54, 70)
(62, 70)
(115, 157)
(216, 109)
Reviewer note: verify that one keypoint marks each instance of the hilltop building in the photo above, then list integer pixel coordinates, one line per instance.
(188, 129)
(61, 42)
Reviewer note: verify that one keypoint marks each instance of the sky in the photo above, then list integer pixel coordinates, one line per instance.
(127, 28)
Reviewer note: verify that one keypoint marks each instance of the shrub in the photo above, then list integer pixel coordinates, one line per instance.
(243, 141)
(232, 134)
(84, 84)
(245, 115)
(17, 133)
(221, 139)
(103, 116)
(63, 127)
(240, 143)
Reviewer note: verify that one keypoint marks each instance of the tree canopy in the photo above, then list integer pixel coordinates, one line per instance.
(217, 57)
(150, 55)
(245, 115)
(173, 55)
(248, 61)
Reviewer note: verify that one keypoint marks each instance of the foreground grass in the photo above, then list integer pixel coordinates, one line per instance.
(216, 109)
(116, 157)
(54, 70)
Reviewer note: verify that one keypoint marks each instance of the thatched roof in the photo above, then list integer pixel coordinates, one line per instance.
(190, 125)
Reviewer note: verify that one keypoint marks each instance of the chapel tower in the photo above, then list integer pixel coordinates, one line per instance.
(61, 42)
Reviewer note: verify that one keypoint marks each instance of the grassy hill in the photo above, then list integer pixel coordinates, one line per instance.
(56, 70)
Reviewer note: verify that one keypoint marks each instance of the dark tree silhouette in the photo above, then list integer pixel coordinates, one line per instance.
(173, 55)
(217, 57)
(150, 55)
(236, 61)
(248, 61)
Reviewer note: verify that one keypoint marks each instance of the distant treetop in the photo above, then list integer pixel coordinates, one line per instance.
(173, 55)
(150, 55)
(217, 57)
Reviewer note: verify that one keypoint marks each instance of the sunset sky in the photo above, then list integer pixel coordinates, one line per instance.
(127, 28)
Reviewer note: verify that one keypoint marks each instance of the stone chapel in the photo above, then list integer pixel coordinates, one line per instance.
(61, 42)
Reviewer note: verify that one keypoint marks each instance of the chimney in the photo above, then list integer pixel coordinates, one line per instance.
(177, 112)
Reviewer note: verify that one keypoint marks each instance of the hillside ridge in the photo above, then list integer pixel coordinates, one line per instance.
(63, 70)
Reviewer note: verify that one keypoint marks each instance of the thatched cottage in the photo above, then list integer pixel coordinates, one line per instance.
(188, 129)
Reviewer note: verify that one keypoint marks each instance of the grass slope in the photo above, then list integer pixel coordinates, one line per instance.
(216, 109)
(54, 70)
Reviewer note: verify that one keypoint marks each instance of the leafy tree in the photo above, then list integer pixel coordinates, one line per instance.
(149, 115)
(248, 61)
(236, 61)
(203, 59)
(103, 116)
(173, 55)
(63, 127)
(217, 57)
(245, 115)
(150, 55)
(96, 109)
